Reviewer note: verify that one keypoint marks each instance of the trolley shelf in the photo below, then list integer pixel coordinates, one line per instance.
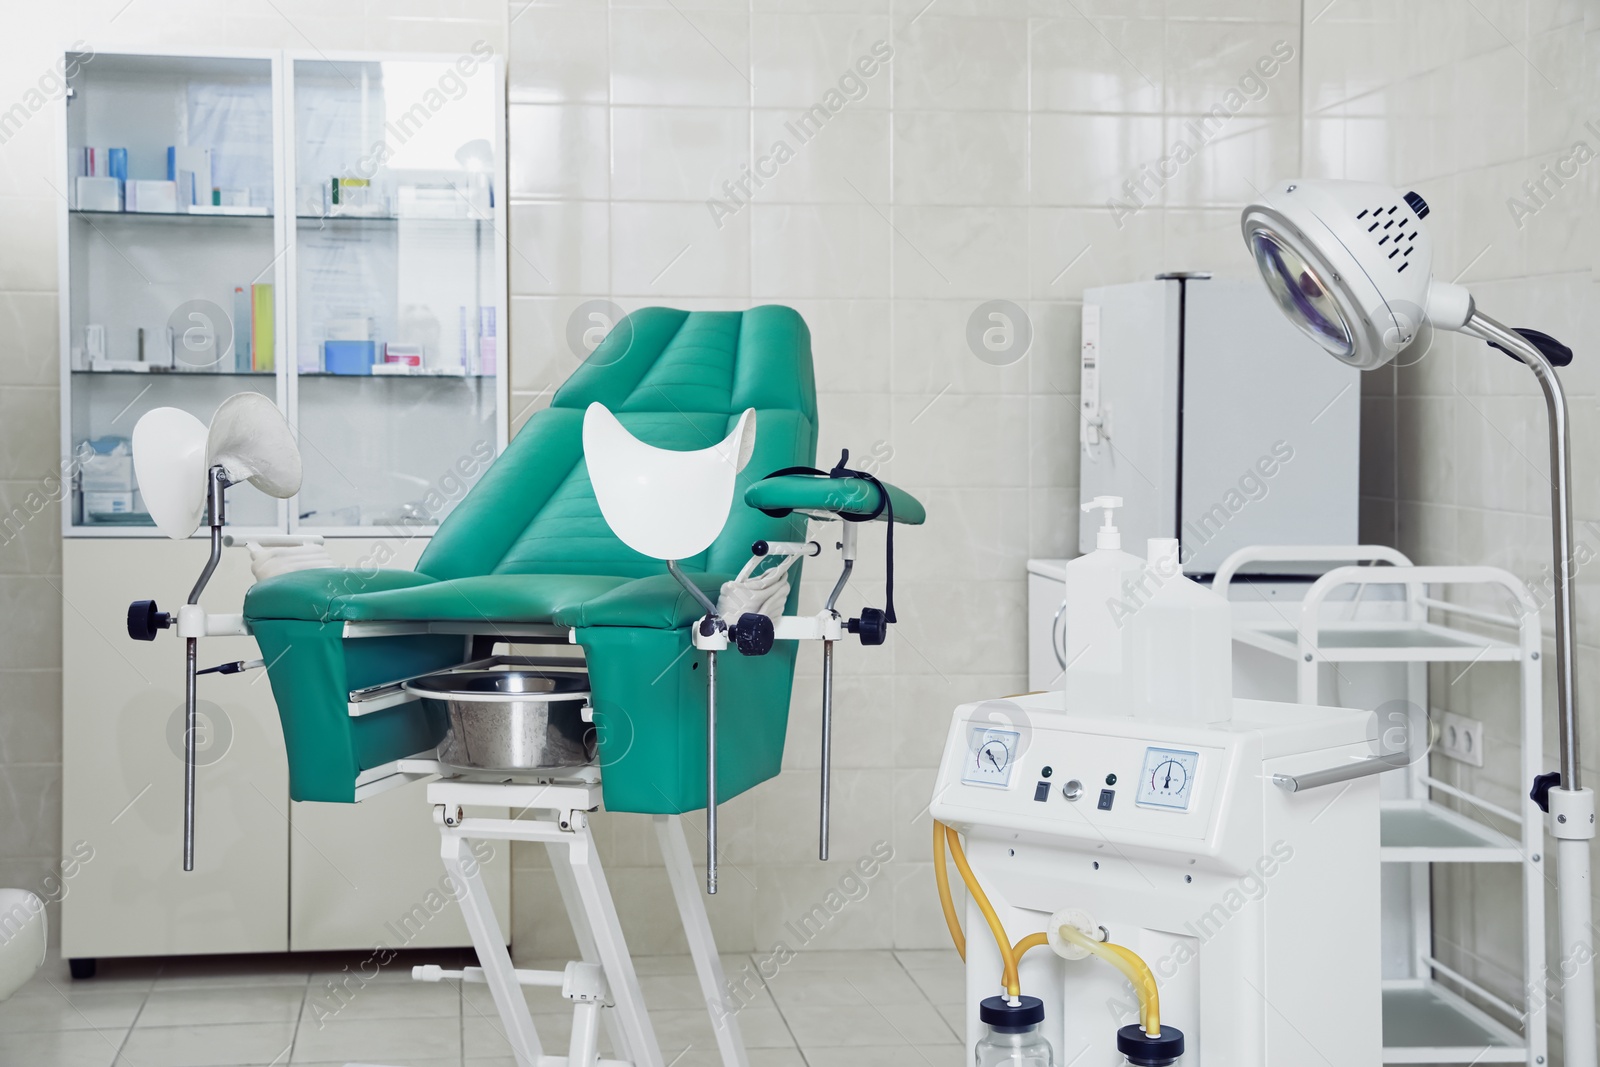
(1423, 1022)
(1384, 642)
(1423, 831)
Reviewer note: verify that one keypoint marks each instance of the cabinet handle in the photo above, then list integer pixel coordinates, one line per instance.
(1058, 645)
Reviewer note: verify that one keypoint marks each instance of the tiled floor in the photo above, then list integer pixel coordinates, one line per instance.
(820, 1009)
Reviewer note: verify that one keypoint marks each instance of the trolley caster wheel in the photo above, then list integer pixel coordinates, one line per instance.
(82, 968)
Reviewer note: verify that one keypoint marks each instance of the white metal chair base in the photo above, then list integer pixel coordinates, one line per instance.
(602, 985)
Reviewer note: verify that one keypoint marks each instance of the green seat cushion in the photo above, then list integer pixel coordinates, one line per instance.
(849, 496)
(657, 602)
(488, 598)
(306, 595)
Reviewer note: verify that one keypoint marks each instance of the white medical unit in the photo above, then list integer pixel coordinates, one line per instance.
(1216, 853)
(1215, 420)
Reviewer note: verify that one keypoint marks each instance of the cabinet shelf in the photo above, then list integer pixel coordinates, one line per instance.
(1424, 831)
(1423, 1022)
(162, 217)
(165, 374)
(387, 220)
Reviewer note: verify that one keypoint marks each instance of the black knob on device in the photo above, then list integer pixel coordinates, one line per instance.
(1542, 784)
(1417, 204)
(1143, 1050)
(752, 634)
(872, 627)
(144, 620)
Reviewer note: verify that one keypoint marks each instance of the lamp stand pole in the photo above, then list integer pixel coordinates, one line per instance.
(1571, 806)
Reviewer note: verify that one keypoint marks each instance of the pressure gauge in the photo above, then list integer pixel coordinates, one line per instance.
(1167, 780)
(990, 757)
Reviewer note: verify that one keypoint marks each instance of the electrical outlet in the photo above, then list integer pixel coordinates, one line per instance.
(1461, 738)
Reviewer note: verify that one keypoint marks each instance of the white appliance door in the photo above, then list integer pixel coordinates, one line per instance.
(1271, 425)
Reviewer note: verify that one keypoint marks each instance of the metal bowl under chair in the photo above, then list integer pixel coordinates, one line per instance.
(512, 719)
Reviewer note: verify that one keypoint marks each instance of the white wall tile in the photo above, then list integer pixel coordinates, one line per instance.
(559, 151)
(559, 247)
(845, 161)
(956, 157)
(558, 53)
(952, 64)
(671, 250)
(1097, 64)
(679, 153)
(680, 56)
(819, 251)
(805, 59)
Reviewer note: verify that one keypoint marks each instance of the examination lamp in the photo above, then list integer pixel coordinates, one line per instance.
(1351, 265)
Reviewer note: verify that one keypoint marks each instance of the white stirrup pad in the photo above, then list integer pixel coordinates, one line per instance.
(663, 503)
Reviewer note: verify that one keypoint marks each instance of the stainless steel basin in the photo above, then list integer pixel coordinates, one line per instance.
(511, 719)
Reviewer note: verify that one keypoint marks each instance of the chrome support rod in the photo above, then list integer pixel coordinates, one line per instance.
(711, 773)
(216, 483)
(1555, 402)
(1570, 806)
(827, 745)
(190, 728)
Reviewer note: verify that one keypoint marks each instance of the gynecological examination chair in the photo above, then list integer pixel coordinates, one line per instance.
(686, 620)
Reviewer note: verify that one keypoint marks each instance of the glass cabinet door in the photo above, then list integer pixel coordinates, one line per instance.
(397, 326)
(169, 265)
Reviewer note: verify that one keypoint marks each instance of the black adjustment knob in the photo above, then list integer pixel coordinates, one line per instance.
(1143, 1050)
(872, 627)
(1542, 784)
(144, 620)
(752, 634)
(1417, 204)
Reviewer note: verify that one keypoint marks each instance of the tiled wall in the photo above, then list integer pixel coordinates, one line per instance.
(1466, 103)
(975, 164)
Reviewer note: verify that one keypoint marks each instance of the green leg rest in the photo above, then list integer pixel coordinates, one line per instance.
(650, 708)
(315, 666)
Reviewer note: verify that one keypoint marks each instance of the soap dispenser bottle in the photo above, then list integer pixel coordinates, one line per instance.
(1092, 636)
(1177, 644)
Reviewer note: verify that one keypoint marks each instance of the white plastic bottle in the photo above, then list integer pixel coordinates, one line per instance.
(1092, 640)
(1177, 644)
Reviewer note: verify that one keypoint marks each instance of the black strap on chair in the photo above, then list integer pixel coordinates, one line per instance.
(885, 507)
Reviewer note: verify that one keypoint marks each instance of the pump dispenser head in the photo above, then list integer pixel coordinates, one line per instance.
(1108, 536)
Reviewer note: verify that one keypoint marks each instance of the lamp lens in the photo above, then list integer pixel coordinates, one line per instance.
(1301, 294)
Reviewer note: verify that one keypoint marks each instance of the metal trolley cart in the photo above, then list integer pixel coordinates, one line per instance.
(1433, 1014)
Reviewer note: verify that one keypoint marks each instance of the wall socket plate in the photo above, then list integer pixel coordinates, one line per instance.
(1461, 738)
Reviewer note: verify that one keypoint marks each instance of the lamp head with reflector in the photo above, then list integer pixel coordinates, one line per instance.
(1351, 264)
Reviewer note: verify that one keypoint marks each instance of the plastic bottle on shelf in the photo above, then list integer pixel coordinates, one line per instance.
(1092, 639)
(1177, 644)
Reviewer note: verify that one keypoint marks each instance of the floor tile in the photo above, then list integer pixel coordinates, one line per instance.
(485, 1036)
(419, 1000)
(205, 1046)
(68, 1009)
(877, 985)
(867, 1025)
(67, 1048)
(919, 1056)
(185, 1006)
(391, 1041)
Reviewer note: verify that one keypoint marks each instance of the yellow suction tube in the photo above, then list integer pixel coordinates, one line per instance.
(1135, 969)
(1012, 984)
(1123, 959)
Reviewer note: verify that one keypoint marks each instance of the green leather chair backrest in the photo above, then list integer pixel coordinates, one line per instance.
(676, 379)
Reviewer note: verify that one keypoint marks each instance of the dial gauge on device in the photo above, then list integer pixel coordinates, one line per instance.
(991, 756)
(1167, 780)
